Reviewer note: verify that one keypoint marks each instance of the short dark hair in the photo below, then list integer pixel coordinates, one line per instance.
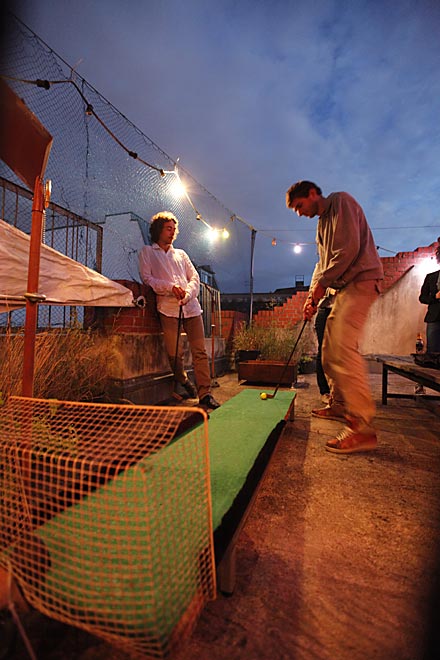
(437, 251)
(157, 222)
(300, 189)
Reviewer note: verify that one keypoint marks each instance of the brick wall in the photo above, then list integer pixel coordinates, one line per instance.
(230, 321)
(128, 320)
(290, 312)
(283, 316)
(395, 267)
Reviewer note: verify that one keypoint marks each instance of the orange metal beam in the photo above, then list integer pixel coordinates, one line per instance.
(32, 296)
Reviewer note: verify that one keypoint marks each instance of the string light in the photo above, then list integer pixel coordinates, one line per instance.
(297, 247)
(177, 188)
(214, 233)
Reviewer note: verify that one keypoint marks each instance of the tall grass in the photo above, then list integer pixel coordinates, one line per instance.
(274, 343)
(69, 365)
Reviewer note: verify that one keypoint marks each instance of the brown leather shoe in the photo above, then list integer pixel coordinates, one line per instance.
(350, 441)
(190, 389)
(332, 411)
(208, 402)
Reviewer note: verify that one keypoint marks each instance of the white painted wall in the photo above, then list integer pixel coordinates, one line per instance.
(397, 316)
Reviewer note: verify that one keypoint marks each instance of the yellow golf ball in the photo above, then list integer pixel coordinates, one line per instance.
(263, 395)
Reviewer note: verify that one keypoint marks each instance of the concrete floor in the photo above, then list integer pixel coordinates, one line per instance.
(339, 558)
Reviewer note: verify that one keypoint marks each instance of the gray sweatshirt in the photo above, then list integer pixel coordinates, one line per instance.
(346, 247)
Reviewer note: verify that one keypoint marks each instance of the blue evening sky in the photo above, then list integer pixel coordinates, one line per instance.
(253, 95)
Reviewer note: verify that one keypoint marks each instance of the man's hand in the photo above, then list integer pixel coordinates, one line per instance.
(311, 304)
(184, 300)
(309, 309)
(178, 292)
(317, 293)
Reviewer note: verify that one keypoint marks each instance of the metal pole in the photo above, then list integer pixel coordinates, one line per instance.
(212, 334)
(251, 278)
(32, 296)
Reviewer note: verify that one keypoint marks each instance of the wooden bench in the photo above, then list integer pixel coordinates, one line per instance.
(405, 367)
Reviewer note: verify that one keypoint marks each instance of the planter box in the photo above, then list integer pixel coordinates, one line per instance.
(267, 371)
(307, 367)
(245, 356)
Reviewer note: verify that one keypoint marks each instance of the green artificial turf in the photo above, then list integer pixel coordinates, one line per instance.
(238, 431)
(130, 552)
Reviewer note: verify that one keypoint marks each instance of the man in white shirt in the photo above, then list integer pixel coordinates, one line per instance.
(176, 283)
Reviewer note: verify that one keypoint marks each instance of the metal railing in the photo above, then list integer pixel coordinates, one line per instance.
(64, 231)
(209, 299)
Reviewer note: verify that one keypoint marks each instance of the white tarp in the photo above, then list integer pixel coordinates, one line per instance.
(62, 280)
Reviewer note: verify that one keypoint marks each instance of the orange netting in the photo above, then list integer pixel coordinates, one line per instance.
(106, 517)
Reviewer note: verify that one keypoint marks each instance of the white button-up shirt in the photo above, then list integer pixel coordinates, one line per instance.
(162, 270)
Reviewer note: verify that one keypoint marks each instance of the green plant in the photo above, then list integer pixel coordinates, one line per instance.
(307, 358)
(274, 343)
(247, 338)
(70, 364)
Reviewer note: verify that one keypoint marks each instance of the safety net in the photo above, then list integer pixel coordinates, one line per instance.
(106, 517)
(106, 170)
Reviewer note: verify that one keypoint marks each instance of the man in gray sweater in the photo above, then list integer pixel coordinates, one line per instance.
(348, 262)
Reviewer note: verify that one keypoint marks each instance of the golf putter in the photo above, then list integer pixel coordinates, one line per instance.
(272, 396)
(174, 394)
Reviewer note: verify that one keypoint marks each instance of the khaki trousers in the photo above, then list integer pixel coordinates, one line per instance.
(193, 327)
(343, 364)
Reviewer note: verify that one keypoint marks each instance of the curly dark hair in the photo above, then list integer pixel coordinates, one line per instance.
(437, 251)
(157, 222)
(300, 189)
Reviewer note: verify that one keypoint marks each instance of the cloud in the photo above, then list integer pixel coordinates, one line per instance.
(255, 95)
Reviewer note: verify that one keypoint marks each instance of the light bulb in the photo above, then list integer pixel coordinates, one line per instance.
(177, 188)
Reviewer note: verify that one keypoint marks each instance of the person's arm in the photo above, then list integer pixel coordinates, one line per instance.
(316, 291)
(310, 306)
(192, 289)
(345, 245)
(160, 286)
(428, 294)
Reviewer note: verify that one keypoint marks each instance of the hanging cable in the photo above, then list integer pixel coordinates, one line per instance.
(379, 247)
(46, 84)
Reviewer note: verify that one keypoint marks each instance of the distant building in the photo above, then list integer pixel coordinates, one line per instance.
(240, 302)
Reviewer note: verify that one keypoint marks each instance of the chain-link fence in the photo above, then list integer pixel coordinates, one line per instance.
(102, 166)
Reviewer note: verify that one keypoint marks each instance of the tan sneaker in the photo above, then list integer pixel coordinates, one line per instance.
(333, 411)
(350, 441)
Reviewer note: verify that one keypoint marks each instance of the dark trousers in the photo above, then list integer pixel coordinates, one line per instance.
(320, 321)
(433, 337)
